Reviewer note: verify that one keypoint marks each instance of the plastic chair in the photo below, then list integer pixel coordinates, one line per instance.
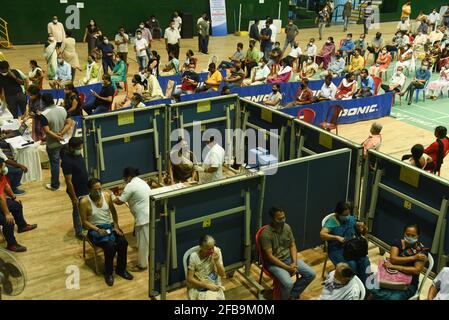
(264, 269)
(307, 114)
(94, 248)
(334, 113)
(361, 287)
(185, 259)
(323, 222)
(426, 275)
(418, 91)
(377, 83)
(82, 97)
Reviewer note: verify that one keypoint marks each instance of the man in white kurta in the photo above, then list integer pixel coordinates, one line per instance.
(213, 162)
(56, 28)
(137, 194)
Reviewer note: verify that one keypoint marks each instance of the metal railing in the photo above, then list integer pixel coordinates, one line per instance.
(4, 35)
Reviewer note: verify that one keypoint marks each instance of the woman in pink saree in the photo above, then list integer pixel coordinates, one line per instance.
(326, 53)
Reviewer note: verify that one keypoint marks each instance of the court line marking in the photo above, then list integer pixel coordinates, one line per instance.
(425, 108)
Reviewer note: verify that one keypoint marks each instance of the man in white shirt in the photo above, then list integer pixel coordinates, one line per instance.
(63, 75)
(397, 81)
(121, 41)
(177, 20)
(146, 34)
(172, 40)
(140, 47)
(274, 31)
(294, 54)
(434, 19)
(310, 51)
(420, 40)
(259, 74)
(328, 90)
(137, 194)
(404, 25)
(213, 162)
(56, 28)
(198, 22)
(275, 98)
(436, 35)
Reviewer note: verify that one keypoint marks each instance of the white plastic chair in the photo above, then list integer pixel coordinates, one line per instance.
(185, 259)
(361, 287)
(323, 222)
(426, 275)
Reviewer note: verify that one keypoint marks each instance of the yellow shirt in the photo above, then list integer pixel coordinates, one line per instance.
(214, 80)
(2, 57)
(357, 63)
(406, 11)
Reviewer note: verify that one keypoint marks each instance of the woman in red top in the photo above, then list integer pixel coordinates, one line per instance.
(347, 87)
(438, 150)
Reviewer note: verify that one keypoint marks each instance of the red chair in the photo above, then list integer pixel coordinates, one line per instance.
(334, 113)
(377, 83)
(82, 97)
(264, 269)
(307, 115)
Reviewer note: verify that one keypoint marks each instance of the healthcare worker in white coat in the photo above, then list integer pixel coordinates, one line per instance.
(137, 194)
(213, 162)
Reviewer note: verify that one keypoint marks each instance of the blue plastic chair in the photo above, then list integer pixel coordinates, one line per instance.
(423, 93)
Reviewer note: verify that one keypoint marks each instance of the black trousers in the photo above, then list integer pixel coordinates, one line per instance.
(173, 48)
(411, 89)
(16, 210)
(249, 67)
(16, 103)
(110, 249)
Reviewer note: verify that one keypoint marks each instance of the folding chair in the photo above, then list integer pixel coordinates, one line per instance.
(426, 275)
(185, 259)
(323, 222)
(94, 248)
(333, 112)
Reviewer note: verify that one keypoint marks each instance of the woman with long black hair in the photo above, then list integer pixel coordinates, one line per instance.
(438, 149)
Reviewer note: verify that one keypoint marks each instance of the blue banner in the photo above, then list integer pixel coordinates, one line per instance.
(163, 81)
(218, 17)
(59, 94)
(354, 110)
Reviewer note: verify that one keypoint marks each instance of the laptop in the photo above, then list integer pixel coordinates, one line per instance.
(22, 129)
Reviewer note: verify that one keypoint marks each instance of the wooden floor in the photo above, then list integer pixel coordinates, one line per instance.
(52, 247)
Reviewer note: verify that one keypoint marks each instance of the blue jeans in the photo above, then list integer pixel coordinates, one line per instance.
(204, 43)
(93, 109)
(266, 48)
(142, 61)
(16, 210)
(288, 288)
(54, 157)
(361, 266)
(107, 63)
(14, 175)
(346, 23)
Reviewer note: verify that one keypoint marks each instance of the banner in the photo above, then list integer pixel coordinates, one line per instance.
(218, 17)
(355, 110)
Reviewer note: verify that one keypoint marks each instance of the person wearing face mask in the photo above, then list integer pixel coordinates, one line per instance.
(376, 45)
(11, 213)
(347, 46)
(341, 284)
(303, 96)
(291, 31)
(336, 67)
(407, 255)
(183, 163)
(327, 52)
(434, 19)
(56, 28)
(76, 177)
(368, 13)
(310, 51)
(205, 270)
(213, 81)
(189, 84)
(213, 162)
(155, 28)
(103, 100)
(140, 47)
(99, 217)
(406, 59)
(327, 91)
(309, 70)
(173, 40)
(422, 76)
(121, 41)
(146, 34)
(63, 74)
(397, 82)
(36, 74)
(347, 12)
(403, 25)
(34, 107)
(321, 20)
(274, 99)
(119, 72)
(420, 42)
(265, 40)
(361, 44)
(252, 57)
(259, 75)
(10, 87)
(92, 71)
(367, 85)
(281, 256)
(137, 195)
(91, 36)
(337, 230)
(106, 50)
(283, 75)
(357, 63)
(437, 87)
(423, 27)
(294, 55)
(51, 57)
(237, 56)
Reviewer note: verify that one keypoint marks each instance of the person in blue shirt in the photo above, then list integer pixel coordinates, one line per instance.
(422, 77)
(336, 67)
(348, 46)
(265, 44)
(367, 85)
(63, 75)
(107, 54)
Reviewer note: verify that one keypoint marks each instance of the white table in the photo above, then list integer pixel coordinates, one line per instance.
(29, 157)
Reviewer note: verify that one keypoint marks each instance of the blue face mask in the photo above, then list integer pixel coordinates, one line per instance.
(410, 240)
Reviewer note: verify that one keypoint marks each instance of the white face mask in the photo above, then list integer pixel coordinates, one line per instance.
(4, 74)
(51, 39)
(106, 41)
(60, 61)
(5, 170)
(92, 23)
(55, 21)
(141, 26)
(139, 36)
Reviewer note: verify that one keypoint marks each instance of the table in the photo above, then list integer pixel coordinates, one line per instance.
(29, 157)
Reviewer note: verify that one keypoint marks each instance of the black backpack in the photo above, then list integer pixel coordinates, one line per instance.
(355, 248)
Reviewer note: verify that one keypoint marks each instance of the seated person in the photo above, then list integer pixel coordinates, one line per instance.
(407, 255)
(14, 169)
(190, 80)
(189, 59)
(252, 57)
(347, 46)
(118, 72)
(438, 149)
(138, 88)
(72, 103)
(275, 56)
(172, 67)
(275, 97)
(327, 91)
(436, 35)
(103, 100)
(205, 270)
(104, 231)
(63, 74)
(338, 229)
(283, 75)
(397, 81)
(420, 41)
(154, 88)
(376, 45)
(367, 85)
(182, 163)
(281, 256)
(336, 67)
(423, 27)
(382, 63)
(303, 96)
(417, 158)
(259, 74)
(347, 87)
(374, 140)
(11, 212)
(225, 91)
(361, 44)
(309, 70)
(341, 284)
(439, 290)
(326, 53)
(406, 59)
(437, 87)
(237, 56)
(357, 63)
(236, 77)
(310, 51)
(294, 55)
(422, 76)
(213, 80)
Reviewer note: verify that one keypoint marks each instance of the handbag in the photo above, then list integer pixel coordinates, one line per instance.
(392, 279)
(355, 249)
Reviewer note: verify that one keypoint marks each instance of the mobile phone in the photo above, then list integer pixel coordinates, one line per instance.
(91, 90)
(108, 231)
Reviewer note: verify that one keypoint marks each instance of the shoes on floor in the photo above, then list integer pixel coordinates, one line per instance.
(109, 280)
(137, 268)
(49, 187)
(19, 192)
(125, 275)
(16, 248)
(28, 227)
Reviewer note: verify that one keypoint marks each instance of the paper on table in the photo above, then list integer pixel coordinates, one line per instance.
(17, 142)
(13, 124)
